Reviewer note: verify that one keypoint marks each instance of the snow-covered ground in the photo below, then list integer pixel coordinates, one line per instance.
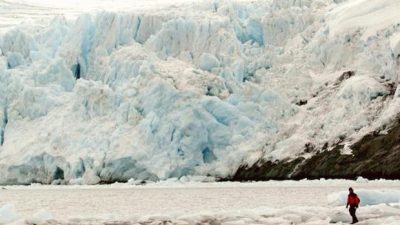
(174, 88)
(274, 202)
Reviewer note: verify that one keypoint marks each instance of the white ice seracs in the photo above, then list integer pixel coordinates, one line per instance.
(196, 90)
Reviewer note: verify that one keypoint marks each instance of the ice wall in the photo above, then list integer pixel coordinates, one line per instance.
(199, 90)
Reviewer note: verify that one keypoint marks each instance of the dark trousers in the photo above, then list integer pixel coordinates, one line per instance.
(352, 211)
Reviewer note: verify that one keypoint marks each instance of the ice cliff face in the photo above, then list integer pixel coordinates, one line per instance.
(198, 89)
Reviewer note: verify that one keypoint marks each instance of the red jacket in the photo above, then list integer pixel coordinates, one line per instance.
(353, 200)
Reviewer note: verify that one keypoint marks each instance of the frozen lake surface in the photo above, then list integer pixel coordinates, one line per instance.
(170, 201)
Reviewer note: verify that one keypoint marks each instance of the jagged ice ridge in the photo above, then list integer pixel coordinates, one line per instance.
(198, 89)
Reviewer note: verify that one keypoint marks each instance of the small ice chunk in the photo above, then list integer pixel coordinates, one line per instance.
(15, 59)
(361, 179)
(184, 179)
(42, 215)
(8, 214)
(397, 93)
(77, 181)
(133, 181)
(90, 177)
(339, 216)
(395, 45)
(208, 61)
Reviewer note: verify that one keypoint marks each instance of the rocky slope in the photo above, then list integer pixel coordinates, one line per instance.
(376, 155)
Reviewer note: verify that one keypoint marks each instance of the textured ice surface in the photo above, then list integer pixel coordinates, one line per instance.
(368, 197)
(180, 202)
(154, 91)
(8, 214)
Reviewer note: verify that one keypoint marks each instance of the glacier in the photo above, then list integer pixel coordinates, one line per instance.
(191, 88)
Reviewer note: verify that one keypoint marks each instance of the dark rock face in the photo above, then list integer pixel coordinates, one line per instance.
(345, 75)
(267, 170)
(374, 156)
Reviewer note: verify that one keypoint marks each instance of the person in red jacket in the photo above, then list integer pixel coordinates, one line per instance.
(353, 201)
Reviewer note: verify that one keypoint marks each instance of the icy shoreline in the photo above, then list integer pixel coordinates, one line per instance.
(277, 202)
(201, 181)
(373, 215)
